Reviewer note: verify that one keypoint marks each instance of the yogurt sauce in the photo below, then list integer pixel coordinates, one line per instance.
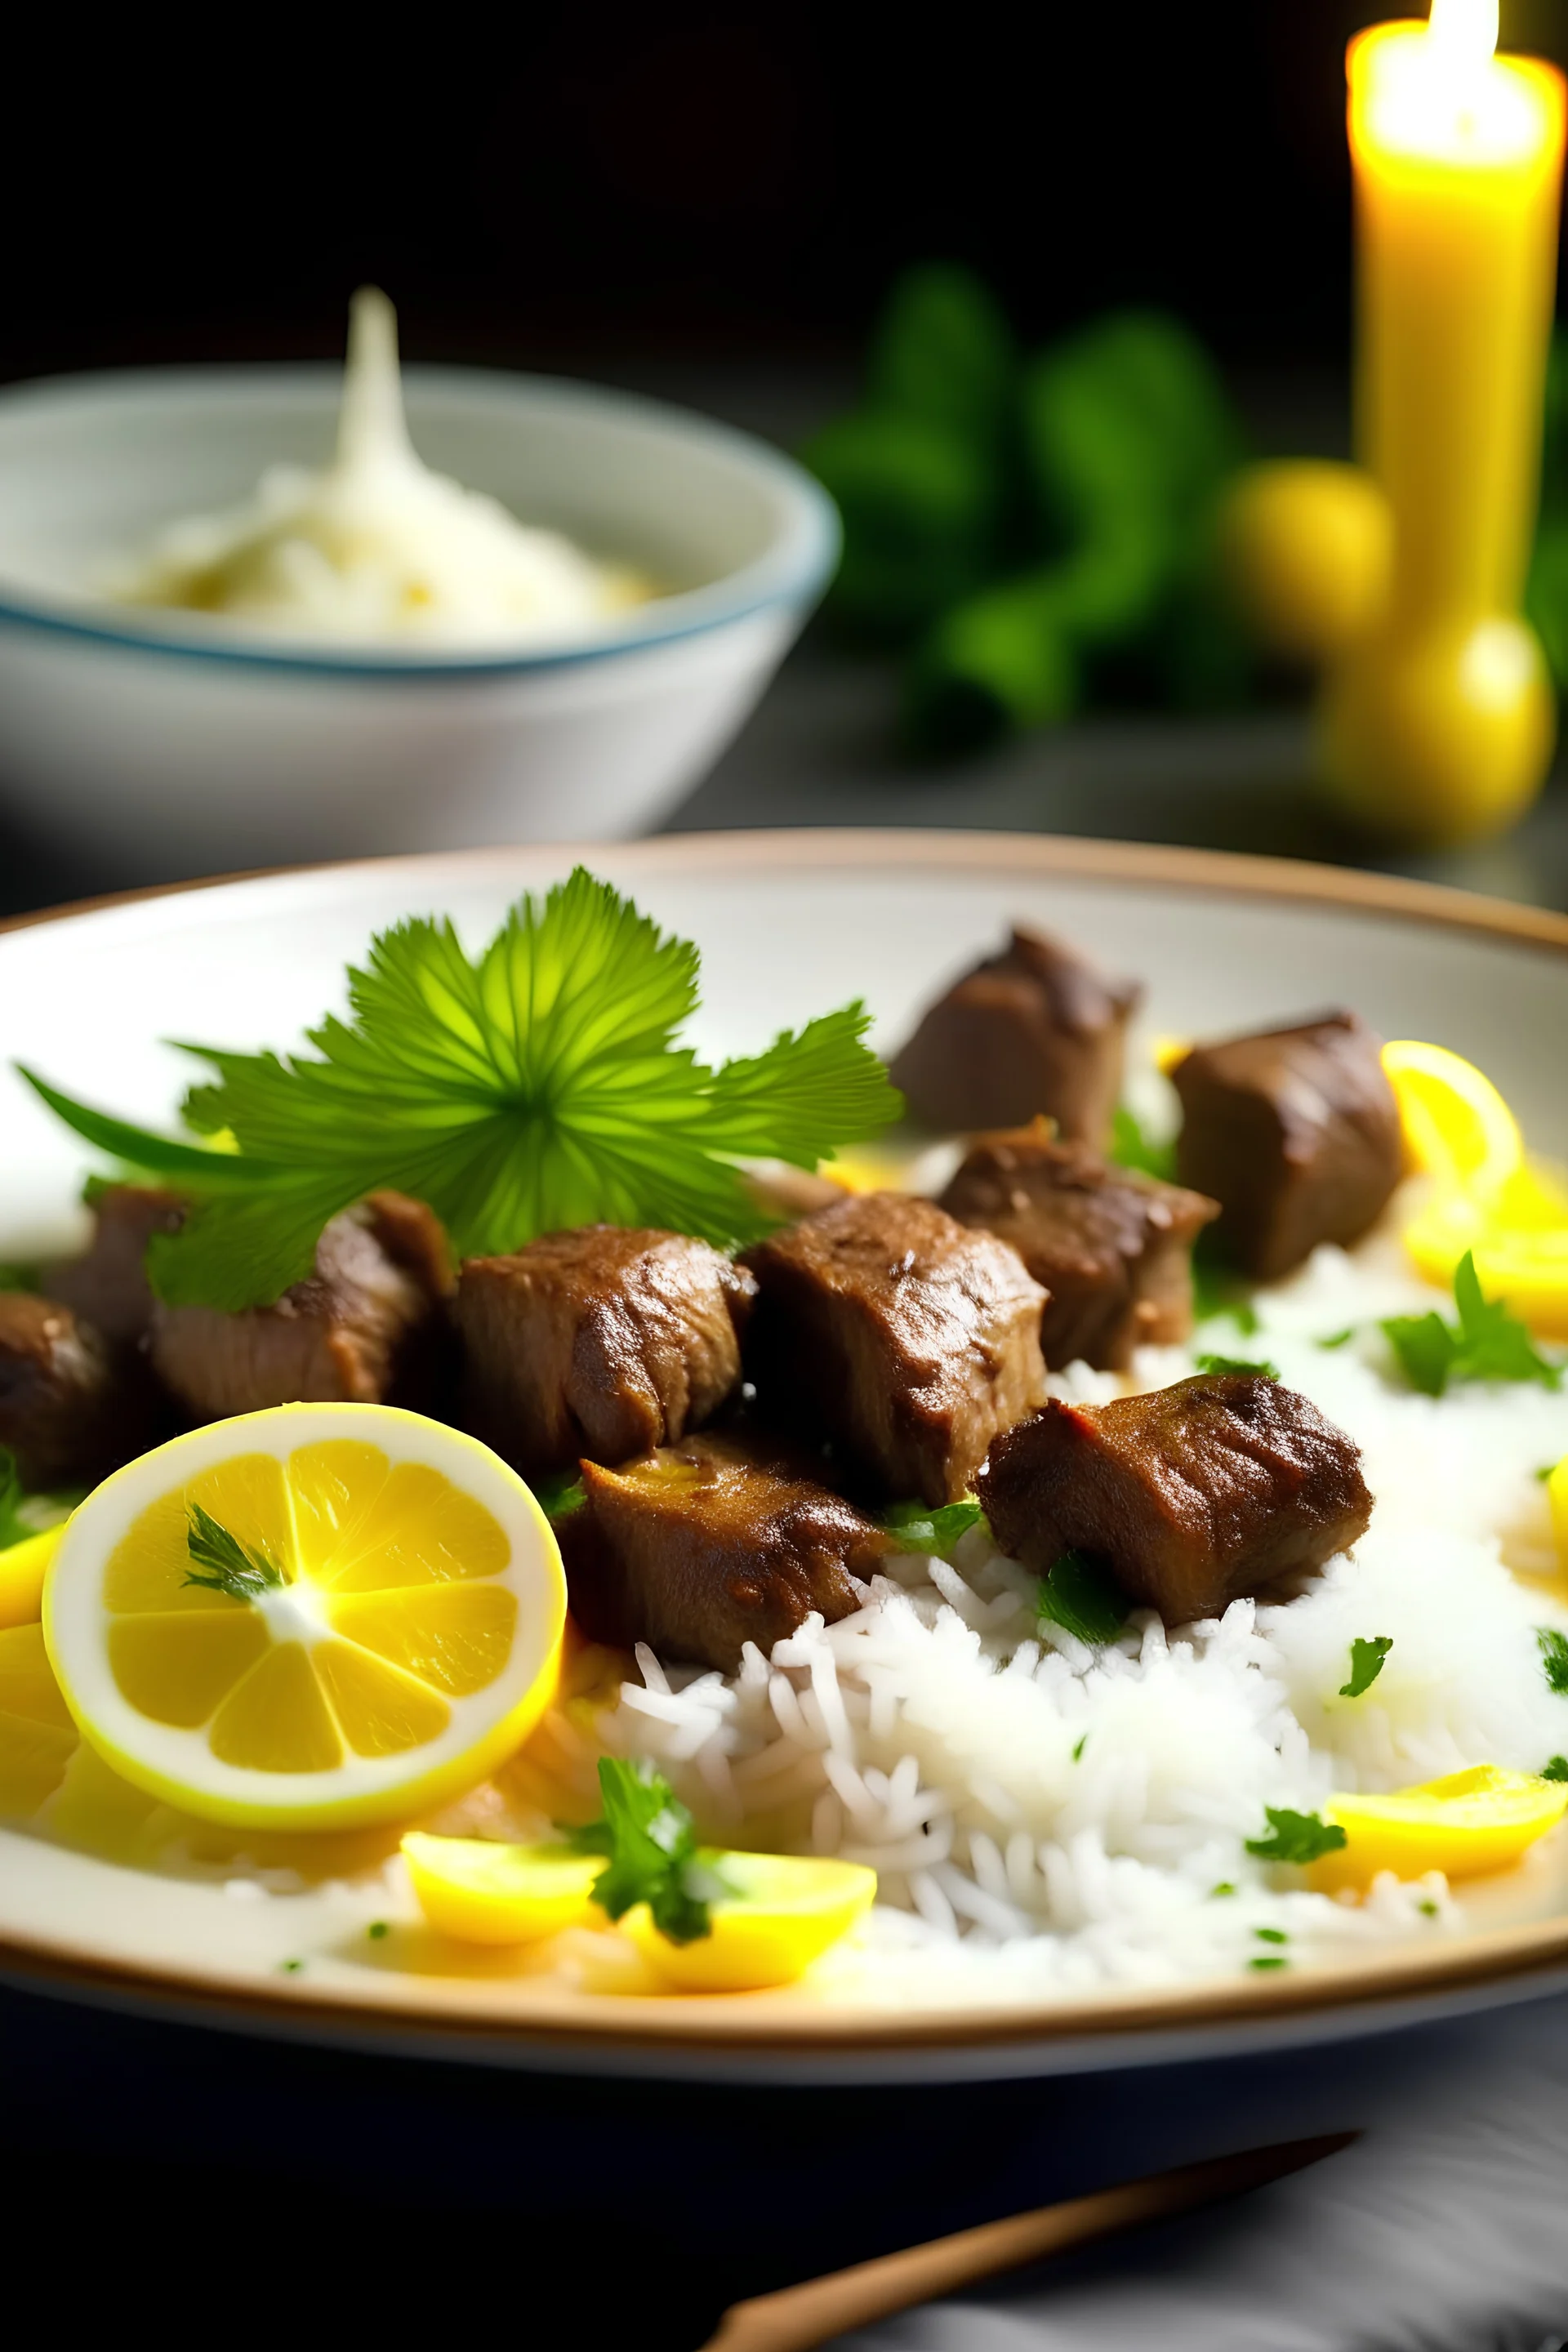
(375, 547)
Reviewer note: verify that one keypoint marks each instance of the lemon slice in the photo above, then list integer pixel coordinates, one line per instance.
(21, 1567)
(1457, 1126)
(37, 1738)
(395, 1636)
(785, 1912)
(482, 1892)
(1466, 1825)
(1519, 1239)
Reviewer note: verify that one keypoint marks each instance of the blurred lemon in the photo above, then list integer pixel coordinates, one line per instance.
(482, 1892)
(1457, 1126)
(37, 1738)
(22, 1567)
(1306, 549)
(1439, 739)
(309, 1618)
(1466, 1825)
(1518, 1237)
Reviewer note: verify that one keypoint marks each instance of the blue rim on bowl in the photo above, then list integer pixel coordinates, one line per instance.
(792, 571)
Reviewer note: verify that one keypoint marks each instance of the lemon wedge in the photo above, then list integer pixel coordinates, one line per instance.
(783, 1913)
(1457, 1126)
(38, 1736)
(378, 1627)
(22, 1567)
(484, 1893)
(1466, 1825)
(1518, 1237)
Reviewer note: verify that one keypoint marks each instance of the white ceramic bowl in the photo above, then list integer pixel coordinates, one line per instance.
(177, 745)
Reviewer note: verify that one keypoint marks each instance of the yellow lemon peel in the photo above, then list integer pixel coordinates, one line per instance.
(1467, 1825)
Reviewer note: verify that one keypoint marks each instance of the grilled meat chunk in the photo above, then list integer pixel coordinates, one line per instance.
(370, 1323)
(606, 1341)
(1296, 1133)
(107, 1285)
(70, 1409)
(1111, 1246)
(700, 1548)
(1221, 1486)
(1035, 1029)
(903, 1338)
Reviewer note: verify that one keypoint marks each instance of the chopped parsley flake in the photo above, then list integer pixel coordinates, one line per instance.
(1131, 1148)
(1340, 1338)
(377, 1929)
(1427, 1909)
(534, 1086)
(1554, 1658)
(649, 1841)
(1557, 1770)
(289, 1968)
(1268, 1960)
(1545, 1471)
(1296, 1837)
(1271, 1934)
(1079, 1747)
(1239, 1364)
(1226, 1886)
(918, 1527)
(1080, 1596)
(1366, 1664)
(245, 1572)
(1486, 1343)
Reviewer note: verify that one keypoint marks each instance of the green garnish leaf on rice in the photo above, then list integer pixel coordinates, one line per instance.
(1131, 1148)
(1554, 1658)
(1366, 1664)
(1239, 1364)
(918, 1527)
(1557, 1770)
(1296, 1837)
(649, 1841)
(1081, 1595)
(1486, 1343)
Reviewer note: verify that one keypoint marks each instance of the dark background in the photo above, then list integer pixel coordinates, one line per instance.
(587, 188)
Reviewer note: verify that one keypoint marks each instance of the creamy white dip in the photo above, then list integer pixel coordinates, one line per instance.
(375, 547)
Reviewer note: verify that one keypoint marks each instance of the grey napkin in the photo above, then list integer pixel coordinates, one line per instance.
(1444, 2229)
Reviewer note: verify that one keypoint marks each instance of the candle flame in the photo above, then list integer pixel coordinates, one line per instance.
(1465, 32)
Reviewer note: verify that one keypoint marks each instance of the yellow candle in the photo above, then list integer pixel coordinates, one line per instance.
(1441, 726)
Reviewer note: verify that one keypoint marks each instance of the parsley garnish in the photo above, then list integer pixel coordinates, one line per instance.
(1486, 1343)
(536, 1086)
(1271, 1934)
(1131, 1148)
(1554, 1658)
(1218, 1291)
(1078, 1747)
(377, 1929)
(1366, 1664)
(917, 1528)
(1556, 1771)
(1427, 1909)
(1340, 1338)
(1080, 1596)
(558, 1498)
(243, 1571)
(1225, 1887)
(1545, 1473)
(650, 1842)
(1296, 1837)
(1238, 1364)
(1268, 1960)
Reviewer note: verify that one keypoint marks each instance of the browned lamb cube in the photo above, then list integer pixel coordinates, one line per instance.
(1192, 1495)
(1295, 1132)
(1035, 1029)
(1112, 1246)
(108, 1285)
(905, 1339)
(606, 1341)
(70, 1409)
(370, 1323)
(701, 1548)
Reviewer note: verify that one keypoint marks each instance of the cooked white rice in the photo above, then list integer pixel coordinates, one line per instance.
(1042, 1815)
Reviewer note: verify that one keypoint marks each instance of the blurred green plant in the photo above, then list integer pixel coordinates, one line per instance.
(1032, 532)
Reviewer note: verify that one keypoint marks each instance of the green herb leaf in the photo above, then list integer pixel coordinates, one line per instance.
(1340, 1338)
(1296, 1837)
(1486, 1343)
(1268, 1960)
(1225, 1887)
(1132, 1147)
(1271, 1934)
(650, 1842)
(1238, 1364)
(1081, 1595)
(18, 1277)
(1554, 1658)
(534, 1087)
(1556, 1771)
(14, 1528)
(377, 1929)
(918, 1527)
(243, 1571)
(1366, 1664)
(560, 1497)
(1545, 1473)
(1078, 1747)
(1218, 1295)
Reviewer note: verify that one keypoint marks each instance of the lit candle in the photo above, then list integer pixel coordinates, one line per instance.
(1442, 725)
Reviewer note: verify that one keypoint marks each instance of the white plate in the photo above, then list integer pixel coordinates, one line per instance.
(789, 924)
